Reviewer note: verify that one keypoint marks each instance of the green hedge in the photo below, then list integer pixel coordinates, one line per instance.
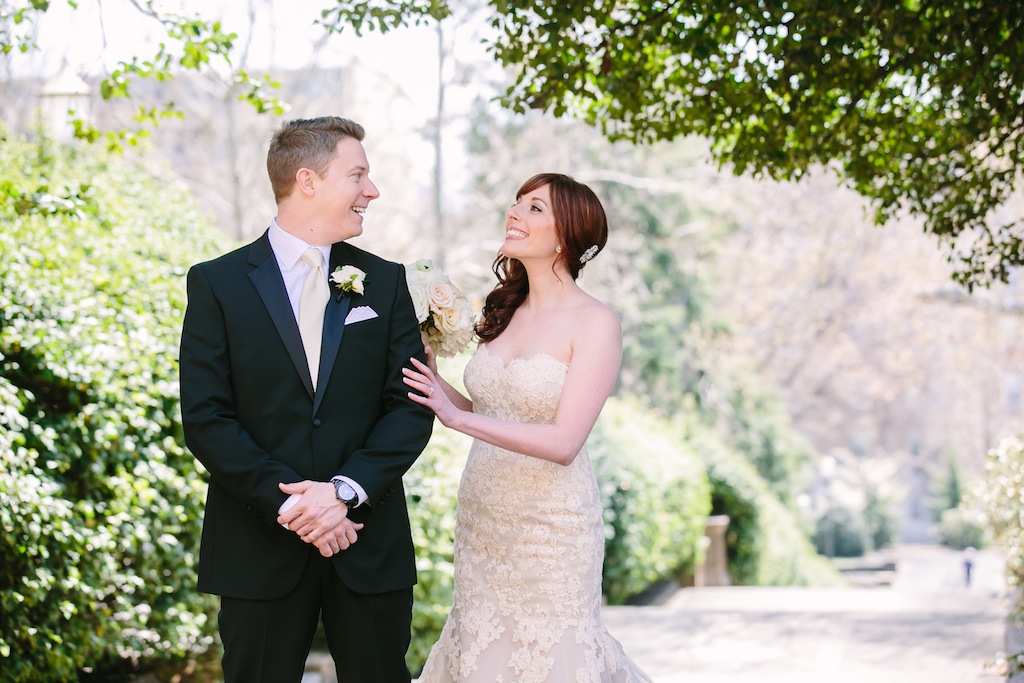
(766, 542)
(842, 532)
(962, 528)
(656, 499)
(98, 497)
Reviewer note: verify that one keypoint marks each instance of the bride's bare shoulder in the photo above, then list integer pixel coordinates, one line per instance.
(594, 314)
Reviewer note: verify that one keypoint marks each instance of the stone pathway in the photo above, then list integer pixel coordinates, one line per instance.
(927, 627)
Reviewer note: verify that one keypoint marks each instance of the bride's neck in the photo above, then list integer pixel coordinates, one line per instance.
(549, 290)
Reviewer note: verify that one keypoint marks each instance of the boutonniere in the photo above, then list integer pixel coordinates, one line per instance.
(348, 279)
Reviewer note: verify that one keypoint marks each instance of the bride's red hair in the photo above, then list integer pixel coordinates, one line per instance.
(581, 224)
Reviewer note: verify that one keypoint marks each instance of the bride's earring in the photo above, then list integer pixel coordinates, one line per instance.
(558, 249)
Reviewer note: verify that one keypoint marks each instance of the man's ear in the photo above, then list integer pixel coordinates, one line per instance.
(305, 181)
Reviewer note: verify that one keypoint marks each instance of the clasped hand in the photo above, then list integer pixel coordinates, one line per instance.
(319, 517)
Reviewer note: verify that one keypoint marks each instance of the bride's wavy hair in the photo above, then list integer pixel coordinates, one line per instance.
(581, 226)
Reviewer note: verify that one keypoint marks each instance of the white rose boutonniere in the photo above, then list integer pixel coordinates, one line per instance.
(348, 279)
(442, 310)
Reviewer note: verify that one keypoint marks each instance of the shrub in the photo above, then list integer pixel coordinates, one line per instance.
(880, 519)
(766, 544)
(99, 501)
(761, 430)
(961, 528)
(841, 532)
(656, 499)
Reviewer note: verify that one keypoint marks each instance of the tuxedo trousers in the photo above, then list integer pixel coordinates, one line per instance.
(268, 641)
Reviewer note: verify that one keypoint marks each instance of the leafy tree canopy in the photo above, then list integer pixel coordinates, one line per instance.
(917, 104)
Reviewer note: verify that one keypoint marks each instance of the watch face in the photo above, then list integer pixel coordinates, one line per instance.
(345, 492)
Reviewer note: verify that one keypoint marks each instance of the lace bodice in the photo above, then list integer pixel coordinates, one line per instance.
(529, 546)
(525, 390)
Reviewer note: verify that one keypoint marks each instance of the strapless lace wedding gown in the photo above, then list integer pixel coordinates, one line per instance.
(529, 545)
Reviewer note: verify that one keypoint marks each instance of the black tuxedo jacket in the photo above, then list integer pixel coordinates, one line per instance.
(251, 417)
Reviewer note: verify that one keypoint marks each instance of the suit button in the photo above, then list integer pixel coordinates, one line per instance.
(316, 421)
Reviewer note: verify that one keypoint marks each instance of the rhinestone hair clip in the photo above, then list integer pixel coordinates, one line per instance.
(588, 254)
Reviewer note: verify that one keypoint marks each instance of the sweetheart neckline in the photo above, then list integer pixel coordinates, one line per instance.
(520, 359)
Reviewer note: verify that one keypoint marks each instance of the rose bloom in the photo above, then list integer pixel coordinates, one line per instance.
(455, 318)
(442, 295)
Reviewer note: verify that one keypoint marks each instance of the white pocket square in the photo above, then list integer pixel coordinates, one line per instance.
(359, 314)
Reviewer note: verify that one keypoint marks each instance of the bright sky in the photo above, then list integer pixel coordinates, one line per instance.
(95, 37)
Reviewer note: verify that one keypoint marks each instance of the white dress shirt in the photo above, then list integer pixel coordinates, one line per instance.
(288, 249)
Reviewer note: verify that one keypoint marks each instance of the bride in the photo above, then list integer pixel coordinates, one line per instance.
(529, 537)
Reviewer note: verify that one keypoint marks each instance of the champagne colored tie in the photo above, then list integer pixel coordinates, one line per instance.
(312, 303)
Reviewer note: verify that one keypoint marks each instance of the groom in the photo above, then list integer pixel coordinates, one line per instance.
(292, 398)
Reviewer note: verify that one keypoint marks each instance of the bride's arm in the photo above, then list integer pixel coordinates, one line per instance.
(596, 354)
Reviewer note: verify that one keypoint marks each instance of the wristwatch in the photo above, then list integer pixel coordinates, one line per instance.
(345, 493)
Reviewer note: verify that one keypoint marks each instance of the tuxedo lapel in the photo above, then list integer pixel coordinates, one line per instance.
(266, 277)
(334, 323)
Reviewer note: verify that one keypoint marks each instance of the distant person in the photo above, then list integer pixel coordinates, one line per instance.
(968, 564)
(292, 398)
(529, 536)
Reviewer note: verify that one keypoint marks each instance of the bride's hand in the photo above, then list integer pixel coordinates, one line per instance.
(424, 380)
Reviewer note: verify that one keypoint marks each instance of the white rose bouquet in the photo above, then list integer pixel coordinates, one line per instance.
(444, 313)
